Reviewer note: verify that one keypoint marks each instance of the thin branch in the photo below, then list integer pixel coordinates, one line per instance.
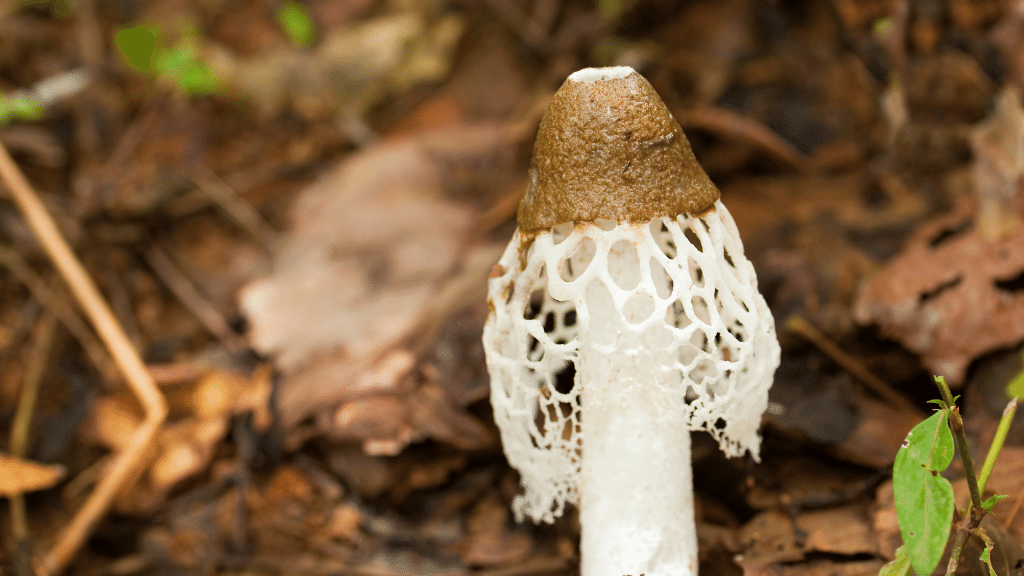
(18, 446)
(55, 299)
(958, 548)
(956, 424)
(242, 212)
(880, 387)
(729, 124)
(125, 466)
(190, 297)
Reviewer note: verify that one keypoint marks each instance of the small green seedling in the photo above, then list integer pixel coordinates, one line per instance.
(181, 63)
(924, 499)
(19, 106)
(1016, 386)
(297, 23)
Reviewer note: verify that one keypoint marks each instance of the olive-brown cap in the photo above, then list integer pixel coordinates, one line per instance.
(609, 148)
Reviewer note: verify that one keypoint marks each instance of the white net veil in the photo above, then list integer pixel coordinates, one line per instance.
(689, 313)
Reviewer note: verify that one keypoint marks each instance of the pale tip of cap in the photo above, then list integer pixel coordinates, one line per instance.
(594, 74)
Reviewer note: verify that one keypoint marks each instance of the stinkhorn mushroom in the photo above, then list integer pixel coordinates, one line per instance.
(623, 315)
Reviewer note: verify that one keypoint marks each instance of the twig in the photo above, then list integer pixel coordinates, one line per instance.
(956, 424)
(746, 129)
(191, 298)
(850, 364)
(65, 313)
(957, 550)
(30, 390)
(234, 206)
(18, 446)
(126, 464)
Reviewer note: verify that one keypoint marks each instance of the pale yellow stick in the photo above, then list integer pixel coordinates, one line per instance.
(124, 467)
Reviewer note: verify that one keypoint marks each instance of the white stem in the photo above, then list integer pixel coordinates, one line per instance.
(636, 486)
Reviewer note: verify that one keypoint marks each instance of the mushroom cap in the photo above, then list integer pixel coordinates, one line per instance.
(608, 148)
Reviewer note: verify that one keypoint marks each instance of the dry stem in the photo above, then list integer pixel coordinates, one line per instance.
(124, 467)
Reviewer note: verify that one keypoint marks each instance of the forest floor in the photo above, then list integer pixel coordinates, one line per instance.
(292, 210)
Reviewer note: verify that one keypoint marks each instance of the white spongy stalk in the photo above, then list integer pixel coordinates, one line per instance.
(606, 344)
(635, 488)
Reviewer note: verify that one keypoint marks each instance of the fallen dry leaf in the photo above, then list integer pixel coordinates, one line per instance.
(377, 254)
(826, 567)
(18, 476)
(769, 538)
(998, 145)
(185, 446)
(844, 530)
(950, 296)
(878, 434)
(488, 541)
(956, 291)
(886, 524)
(772, 546)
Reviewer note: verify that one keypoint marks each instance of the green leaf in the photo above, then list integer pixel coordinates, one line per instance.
(27, 108)
(924, 499)
(20, 107)
(182, 64)
(900, 565)
(296, 23)
(137, 45)
(988, 504)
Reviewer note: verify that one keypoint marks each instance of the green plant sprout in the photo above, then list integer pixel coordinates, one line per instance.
(924, 499)
(1016, 386)
(142, 49)
(20, 106)
(297, 23)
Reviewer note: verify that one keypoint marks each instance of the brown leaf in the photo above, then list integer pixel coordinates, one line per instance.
(379, 422)
(436, 417)
(18, 476)
(1007, 479)
(956, 291)
(1007, 554)
(185, 448)
(488, 540)
(998, 145)
(844, 530)
(951, 295)
(370, 261)
(768, 539)
(886, 524)
(878, 434)
(832, 568)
